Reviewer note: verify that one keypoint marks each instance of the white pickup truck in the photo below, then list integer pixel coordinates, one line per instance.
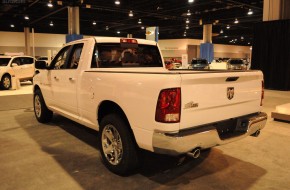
(121, 88)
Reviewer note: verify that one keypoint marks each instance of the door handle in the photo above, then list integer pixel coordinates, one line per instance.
(71, 79)
(56, 78)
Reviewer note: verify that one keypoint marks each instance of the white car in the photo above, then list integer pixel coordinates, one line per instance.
(21, 67)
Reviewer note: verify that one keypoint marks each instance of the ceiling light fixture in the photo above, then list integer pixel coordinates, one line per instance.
(236, 21)
(49, 4)
(200, 21)
(51, 23)
(131, 13)
(142, 27)
(26, 17)
(107, 27)
(221, 31)
(187, 21)
(94, 23)
(186, 27)
(226, 36)
(188, 13)
(118, 32)
(190, 1)
(228, 27)
(117, 2)
(250, 12)
(139, 21)
(12, 25)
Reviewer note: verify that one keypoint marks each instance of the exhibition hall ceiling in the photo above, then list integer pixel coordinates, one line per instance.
(176, 19)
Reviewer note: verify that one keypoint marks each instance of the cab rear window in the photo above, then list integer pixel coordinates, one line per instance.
(117, 55)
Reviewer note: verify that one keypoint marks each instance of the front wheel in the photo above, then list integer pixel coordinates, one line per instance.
(42, 113)
(6, 82)
(117, 147)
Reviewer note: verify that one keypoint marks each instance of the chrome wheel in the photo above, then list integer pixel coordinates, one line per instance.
(112, 144)
(37, 106)
(6, 82)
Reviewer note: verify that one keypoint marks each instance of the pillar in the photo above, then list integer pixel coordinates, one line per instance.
(207, 33)
(27, 40)
(276, 10)
(73, 24)
(206, 48)
(152, 33)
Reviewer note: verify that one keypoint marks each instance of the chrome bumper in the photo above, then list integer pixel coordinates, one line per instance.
(206, 136)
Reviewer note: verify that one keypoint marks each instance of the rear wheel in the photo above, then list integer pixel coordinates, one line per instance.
(6, 82)
(117, 147)
(42, 113)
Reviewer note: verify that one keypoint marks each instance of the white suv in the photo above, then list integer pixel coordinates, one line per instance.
(21, 67)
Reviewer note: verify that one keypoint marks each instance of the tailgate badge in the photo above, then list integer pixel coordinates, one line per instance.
(190, 105)
(230, 92)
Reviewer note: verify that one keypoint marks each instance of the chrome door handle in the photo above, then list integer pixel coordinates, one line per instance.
(56, 78)
(71, 79)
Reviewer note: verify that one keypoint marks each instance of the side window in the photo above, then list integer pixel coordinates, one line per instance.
(60, 59)
(75, 56)
(27, 61)
(17, 61)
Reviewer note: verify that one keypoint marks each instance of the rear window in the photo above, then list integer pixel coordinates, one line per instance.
(4, 61)
(113, 55)
(236, 62)
(198, 61)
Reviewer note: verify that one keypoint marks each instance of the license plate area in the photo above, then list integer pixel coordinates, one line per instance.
(231, 128)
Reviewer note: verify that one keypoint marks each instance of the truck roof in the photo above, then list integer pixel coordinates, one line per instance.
(102, 39)
(117, 40)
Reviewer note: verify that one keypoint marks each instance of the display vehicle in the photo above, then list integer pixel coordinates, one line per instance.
(121, 88)
(198, 64)
(20, 67)
(236, 64)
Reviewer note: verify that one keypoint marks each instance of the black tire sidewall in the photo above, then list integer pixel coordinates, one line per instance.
(2, 80)
(45, 113)
(129, 160)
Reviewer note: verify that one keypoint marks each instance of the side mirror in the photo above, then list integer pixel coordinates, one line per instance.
(40, 64)
(14, 64)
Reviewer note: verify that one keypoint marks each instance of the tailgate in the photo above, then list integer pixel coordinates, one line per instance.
(211, 97)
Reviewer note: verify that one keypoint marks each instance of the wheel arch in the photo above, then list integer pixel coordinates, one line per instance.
(110, 107)
(36, 87)
(6, 74)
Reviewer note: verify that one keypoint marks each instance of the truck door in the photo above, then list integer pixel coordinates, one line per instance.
(27, 65)
(63, 77)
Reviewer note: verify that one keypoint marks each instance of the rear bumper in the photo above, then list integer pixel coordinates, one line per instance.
(206, 136)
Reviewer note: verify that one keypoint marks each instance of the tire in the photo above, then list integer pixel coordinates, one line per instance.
(42, 113)
(6, 82)
(117, 147)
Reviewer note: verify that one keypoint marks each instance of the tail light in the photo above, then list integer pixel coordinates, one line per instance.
(168, 106)
(262, 93)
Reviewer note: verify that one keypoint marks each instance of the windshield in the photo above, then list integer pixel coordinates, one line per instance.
(43, 58)
(116, 55)
(199, 61)
(4, 61)
(236, 62)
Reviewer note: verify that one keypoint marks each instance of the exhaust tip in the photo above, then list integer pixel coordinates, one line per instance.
(256, 134)
(195, 153)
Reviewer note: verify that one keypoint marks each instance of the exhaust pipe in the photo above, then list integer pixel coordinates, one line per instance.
(256, 134)
(195, 153)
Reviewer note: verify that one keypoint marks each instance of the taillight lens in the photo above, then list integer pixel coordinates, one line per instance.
(168, 106)
(262, 93)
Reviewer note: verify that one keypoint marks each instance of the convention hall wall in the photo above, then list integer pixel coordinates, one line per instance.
(15, 42)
